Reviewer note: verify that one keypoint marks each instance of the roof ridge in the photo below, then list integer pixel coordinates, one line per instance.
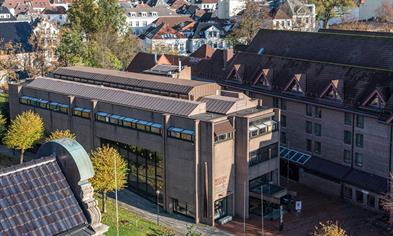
(320, 62)
(26, 165)
(117, 89)
(323, 32)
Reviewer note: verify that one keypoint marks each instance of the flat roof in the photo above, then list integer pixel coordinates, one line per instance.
(140, 80)
(134, 99)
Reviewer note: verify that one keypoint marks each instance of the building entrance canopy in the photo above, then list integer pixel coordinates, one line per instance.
(271, 192)
(294, 156)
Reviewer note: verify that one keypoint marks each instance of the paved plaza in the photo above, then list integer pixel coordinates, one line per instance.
(316, 207)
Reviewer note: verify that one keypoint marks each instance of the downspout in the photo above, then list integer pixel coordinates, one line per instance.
(390, 157)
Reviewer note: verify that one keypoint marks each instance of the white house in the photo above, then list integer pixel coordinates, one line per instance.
(208, 5)
(140, 17)
(209, 33)
(55, 14)
(163, 39)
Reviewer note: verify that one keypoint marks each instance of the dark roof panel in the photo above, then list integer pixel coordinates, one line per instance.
(16, 32)
(342, 48)
(137, 100)
(367, 181)
(132, 79)
(35, 199)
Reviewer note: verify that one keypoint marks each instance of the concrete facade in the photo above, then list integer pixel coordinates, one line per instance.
(203, 171)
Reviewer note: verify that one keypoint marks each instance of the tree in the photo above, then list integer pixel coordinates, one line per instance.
(24, 132)
(329, 229)
(58, 134)
(251, 20)
(328, 9)
(3, 123)
(385, 11)
(387, 200)
(10, 62)
(97, 36)
(72, 50)
(103, 159)
(44, 46)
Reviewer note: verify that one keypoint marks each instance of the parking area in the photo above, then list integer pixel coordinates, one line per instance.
(316, 207)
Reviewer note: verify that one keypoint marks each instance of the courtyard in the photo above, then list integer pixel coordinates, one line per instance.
(316, 207)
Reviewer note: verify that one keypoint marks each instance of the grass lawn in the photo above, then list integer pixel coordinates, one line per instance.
(130, 224)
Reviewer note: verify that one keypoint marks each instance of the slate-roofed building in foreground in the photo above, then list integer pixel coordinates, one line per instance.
(206, 150)
(50, 195)
(335, 92)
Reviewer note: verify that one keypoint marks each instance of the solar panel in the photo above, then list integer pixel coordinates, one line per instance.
(304, 159)
(294, 156)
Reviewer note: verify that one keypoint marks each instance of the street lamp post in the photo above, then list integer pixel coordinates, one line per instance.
(262, 208)
(158, 207)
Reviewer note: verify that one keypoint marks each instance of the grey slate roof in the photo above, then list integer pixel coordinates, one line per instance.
(35, 199)
(16, 32)
(131, 79)
(342, 48)
(219, 106)
(121, 97)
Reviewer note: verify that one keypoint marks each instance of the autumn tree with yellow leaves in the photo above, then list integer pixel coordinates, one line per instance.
(104, 159)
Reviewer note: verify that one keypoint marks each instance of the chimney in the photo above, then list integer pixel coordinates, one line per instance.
(155, 58)
(180, 68)
(227, 54)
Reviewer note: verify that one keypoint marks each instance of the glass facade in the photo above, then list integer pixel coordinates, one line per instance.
(146, 169)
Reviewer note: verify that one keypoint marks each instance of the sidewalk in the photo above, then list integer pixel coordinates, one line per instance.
(148, 210)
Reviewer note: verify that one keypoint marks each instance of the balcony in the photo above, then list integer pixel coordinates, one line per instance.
(261, 128)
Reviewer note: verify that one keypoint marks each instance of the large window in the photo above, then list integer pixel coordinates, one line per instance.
(128, 122)
(262, 126)
(146, 169)
(183, 208)
(347, 118)
(317, 129)
(347, 137)
(359, 121)
(183, 134)
(263, 154)
(318, 112)
(44, 104)
(347, 157)
(359, 140)
(317, 147)
(81, 112)
(308, 110)
(358, 159)
(223, 137)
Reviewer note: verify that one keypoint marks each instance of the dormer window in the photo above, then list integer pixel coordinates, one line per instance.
(297, 84)
(235, 75)
(377, 103)
(375, 100)
(264, 78)
(132, 14)
(143, 13)
(154, 13)
(332, 90)
(333, 94)
(296, 88)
